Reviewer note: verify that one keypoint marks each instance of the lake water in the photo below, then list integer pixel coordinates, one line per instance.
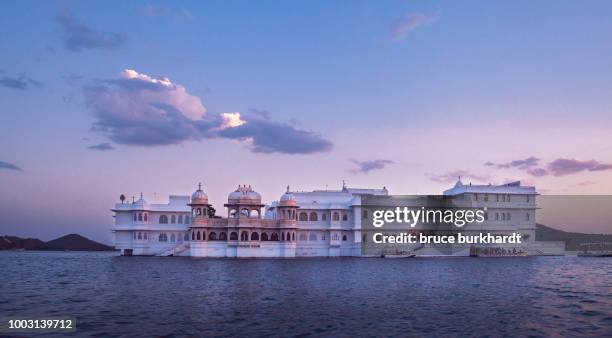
(174, 296)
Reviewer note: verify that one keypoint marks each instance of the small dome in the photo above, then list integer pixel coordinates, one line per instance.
(244, 195)
(199, 196)
(288, 199)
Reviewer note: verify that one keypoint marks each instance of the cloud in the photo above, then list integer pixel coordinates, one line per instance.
(163, 11)
(138, 109)
(102, 147)
(9, 166)
(364, 167)
(231, 120)
(529, 162)
(265, 136)
(400, 27)
(558, 167)
(453, 176)
(566, 166)
(78, 37)
(21, 82)
(537, 172)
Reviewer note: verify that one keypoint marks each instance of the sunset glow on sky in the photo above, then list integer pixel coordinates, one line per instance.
(104, 98)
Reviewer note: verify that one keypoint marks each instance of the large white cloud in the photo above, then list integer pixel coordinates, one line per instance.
(138, 109)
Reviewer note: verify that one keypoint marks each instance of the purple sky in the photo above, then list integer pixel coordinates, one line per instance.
(104, 98)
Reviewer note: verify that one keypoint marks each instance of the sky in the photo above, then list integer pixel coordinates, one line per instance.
(102, 98)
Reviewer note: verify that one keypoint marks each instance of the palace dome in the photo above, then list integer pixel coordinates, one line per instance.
(244, 195)
(288, 199)
(199, 196)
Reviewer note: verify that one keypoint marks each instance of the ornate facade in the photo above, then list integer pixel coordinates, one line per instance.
(320, 223)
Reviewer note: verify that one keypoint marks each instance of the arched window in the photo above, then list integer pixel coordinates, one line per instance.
(244, 236)
(233, 213)
(163, 238)
(302, 237)
(283, 236)
(254, 236)
(284, 217)
(180, 219)
(186, 219)
(293, 214)
(144, 236)
(233, 236)
(303, 216)
(212, 236)
(365, 214)
(293, 236)
(186, 237)
(274, 237)
(140, 235)
(288, 236)
(198, 236)
(172, 238)
(324, 217)
(134, 235)
(344, 237)
(223, 236)
(336, 216)
(163, 219)
(312, 237)
(244, 212)
(313, 217)
(254, 214)
(140, 216)
(173, 219)
(345, 217)
(146, 219)
(193, 236)
(135, 217)
(264, 236)
(199, 212)
(364, 238)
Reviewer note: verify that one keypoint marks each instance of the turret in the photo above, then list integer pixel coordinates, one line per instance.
(199, 203)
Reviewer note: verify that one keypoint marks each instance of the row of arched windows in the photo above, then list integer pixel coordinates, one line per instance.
(163, 237)
(314, 217)
(199, 212)
(313, 237)
(174, 219)
(140, 236)
(244, 236)
(244, 212)
(141, 217)
(288, 214)
(264, 236)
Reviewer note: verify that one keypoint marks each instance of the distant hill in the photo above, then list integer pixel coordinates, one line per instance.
(16, 243)
(572, 239)
(72, 242)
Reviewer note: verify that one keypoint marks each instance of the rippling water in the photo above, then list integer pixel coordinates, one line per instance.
(154, 296)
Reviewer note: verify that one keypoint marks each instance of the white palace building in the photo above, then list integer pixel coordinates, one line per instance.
(320, 223)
